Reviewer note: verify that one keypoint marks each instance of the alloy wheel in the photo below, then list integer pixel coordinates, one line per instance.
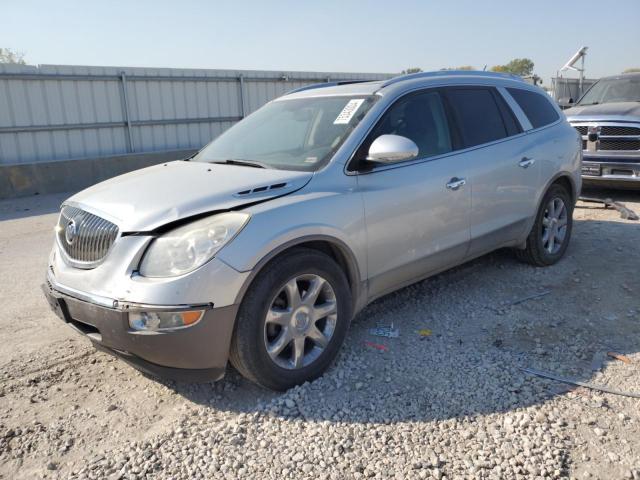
(300, 321)
(554, 225)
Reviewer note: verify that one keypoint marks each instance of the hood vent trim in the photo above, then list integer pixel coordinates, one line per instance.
(261, 189)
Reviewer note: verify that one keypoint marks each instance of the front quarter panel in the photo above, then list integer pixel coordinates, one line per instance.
(324, 209)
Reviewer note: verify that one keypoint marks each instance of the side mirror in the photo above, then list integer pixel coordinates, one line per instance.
(565, 102)
(391, 149)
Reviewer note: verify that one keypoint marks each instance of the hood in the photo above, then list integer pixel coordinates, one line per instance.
(151, 197)
(620, 111)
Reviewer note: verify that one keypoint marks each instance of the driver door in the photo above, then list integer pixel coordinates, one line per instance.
(416, 211)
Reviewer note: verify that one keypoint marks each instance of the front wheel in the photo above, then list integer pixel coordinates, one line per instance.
(292, 321)
(551, 232)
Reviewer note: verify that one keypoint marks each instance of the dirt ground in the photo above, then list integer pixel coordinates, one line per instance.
(64, 406)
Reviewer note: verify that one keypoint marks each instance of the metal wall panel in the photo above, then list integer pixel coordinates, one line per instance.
(570, 87)
(62, 112)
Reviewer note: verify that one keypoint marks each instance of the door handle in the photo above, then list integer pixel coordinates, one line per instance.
(455, 183)
(526, 162)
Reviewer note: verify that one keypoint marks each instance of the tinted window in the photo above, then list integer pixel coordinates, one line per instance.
(535, 106)
(420, 117)
(477, 115)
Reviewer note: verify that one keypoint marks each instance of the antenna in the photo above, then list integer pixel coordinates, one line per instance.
(579, 55)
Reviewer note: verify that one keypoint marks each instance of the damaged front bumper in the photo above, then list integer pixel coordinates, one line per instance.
(196, 353)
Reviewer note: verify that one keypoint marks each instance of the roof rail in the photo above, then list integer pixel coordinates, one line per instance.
(326, 84)
(449, 73)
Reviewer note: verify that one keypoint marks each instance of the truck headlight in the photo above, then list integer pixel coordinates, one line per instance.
(188, 247)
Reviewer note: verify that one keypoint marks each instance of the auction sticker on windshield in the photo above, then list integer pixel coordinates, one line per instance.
(348, 111)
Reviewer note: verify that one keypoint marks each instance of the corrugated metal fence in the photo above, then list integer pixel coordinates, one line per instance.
(565, 88)
(56, 112)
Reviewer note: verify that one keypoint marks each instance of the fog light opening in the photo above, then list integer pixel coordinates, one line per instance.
(159, 321)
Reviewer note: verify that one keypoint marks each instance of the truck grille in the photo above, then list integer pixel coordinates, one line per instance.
(612, 138)
(84, 237)
(619, 145)
(613, 130)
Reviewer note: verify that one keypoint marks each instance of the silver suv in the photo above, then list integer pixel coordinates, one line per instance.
(262, 247)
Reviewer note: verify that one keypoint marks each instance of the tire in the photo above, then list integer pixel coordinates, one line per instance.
(537, 251)
(271, 313)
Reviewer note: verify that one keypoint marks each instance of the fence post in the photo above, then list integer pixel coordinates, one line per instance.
(125, 111)
(241, 80)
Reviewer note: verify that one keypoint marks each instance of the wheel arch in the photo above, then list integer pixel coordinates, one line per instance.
(566, 181)
(331, 246)
(561, 178)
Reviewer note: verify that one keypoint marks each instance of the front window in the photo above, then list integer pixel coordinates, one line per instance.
(421, 118)
(290, 134)
(612, 90)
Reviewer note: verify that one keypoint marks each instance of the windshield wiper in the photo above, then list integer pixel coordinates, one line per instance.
(244, 163)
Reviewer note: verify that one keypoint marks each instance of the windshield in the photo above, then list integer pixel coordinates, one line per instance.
(297, 134)
(613, 90)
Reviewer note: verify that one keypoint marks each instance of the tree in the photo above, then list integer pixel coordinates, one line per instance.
(411, 70)
(632, 70)
(9, 56)
(517, 66)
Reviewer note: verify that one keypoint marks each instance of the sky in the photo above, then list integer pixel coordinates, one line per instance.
(327, 35)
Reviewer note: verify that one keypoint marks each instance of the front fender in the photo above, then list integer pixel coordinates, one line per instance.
(335, 217)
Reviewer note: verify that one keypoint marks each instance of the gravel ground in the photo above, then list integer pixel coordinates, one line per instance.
(453, 404)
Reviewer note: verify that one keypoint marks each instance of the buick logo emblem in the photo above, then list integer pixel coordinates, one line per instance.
(71, 232)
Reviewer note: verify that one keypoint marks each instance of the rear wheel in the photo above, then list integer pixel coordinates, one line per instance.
(551, 232)
(292, 321)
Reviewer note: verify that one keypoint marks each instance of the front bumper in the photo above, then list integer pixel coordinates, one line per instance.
(196, 353)
(614, 171)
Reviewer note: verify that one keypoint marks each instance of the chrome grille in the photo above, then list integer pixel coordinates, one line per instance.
(84, 237)
(619, 145)
(615, 130)
(611, 137)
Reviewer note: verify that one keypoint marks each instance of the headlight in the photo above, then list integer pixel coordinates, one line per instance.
(190, 246)
(159, 321)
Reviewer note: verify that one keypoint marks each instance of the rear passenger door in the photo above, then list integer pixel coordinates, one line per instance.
(504, 175)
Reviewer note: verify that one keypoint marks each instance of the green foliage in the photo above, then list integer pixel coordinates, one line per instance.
(9, 56)
(632, 70)
(517, 66)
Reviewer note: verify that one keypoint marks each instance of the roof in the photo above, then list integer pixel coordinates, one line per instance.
(403, 82)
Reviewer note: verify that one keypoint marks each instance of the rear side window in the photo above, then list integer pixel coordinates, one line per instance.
(535, 106)
(477, 115)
